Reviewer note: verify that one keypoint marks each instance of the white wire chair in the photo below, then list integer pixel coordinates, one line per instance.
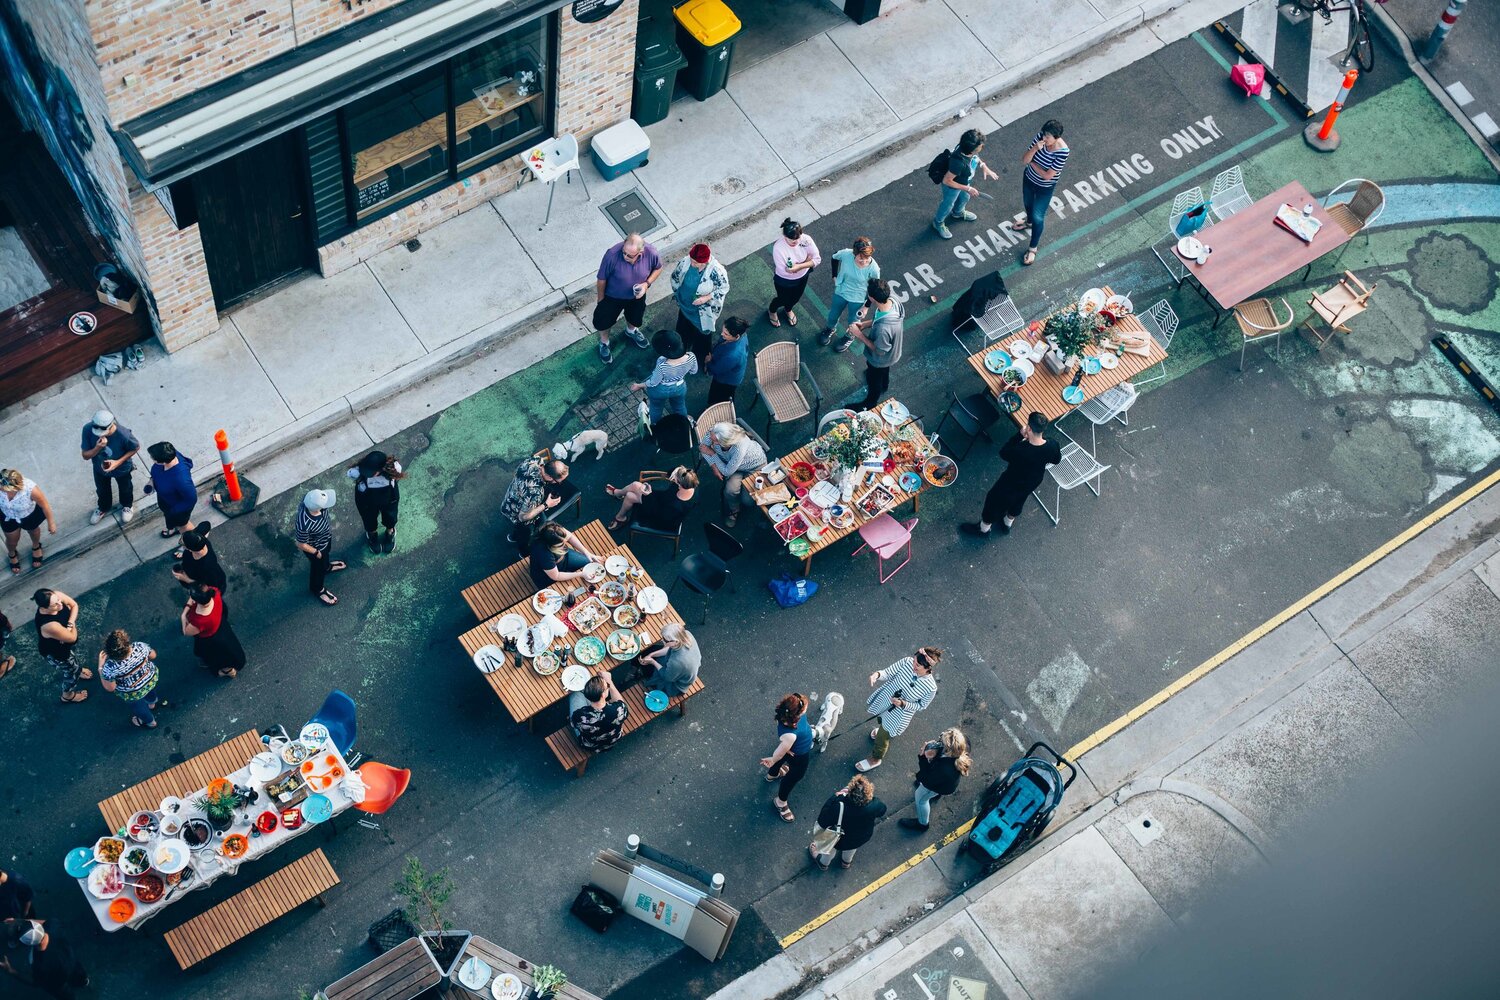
(1176, 267)
(1003, 317)
(1161, 322)
(1076, 468)
(1228, 194)
(1113, 403)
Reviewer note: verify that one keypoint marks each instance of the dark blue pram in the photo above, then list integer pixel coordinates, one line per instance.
(1017, 806)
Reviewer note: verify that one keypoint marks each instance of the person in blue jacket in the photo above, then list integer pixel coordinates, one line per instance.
(728, 360)
(172, 482)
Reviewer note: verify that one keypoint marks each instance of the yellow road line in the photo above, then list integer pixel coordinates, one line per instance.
(1176, 687)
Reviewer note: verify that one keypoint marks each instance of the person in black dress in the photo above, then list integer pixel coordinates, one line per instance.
(1027, 456)
(205, 619)
(198, 562)
(661, 506)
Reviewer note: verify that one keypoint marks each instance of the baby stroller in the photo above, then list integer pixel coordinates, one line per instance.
(1016, 808)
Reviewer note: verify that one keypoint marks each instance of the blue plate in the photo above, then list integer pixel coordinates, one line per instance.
(1073, 395)
(317, 809)
(657, 701)
(997, 361)
(78, 862)
(1010, 401)
(1092, 365)
(911, 482)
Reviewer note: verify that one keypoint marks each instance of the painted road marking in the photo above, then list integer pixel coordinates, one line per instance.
(1486, 125)
(1330, 39)
(1258, 27)
(1459, 93)
(1177, 687)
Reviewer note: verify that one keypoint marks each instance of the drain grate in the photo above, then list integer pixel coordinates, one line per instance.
(630, 213)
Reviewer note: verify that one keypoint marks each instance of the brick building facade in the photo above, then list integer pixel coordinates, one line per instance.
(185, 102)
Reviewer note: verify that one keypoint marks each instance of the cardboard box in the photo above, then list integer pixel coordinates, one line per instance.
(124, 305)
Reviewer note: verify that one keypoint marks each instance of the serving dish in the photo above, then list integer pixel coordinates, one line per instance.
(622, 644)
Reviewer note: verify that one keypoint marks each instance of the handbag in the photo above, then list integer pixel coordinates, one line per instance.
(824, 839)
(791, 592)
(595, 907)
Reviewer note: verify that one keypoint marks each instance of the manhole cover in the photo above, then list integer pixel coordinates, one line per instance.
(630, 214)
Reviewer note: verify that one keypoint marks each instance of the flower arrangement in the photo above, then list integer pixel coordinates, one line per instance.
(220, 800)
(1072, 331)
(851, 449)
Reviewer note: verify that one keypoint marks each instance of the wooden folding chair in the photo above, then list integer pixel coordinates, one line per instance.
(1337, 306)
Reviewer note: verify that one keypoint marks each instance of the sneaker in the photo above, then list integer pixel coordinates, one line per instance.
(127, 514)
(373, 541)
(604, 354)
(826, 337)
(843, 344)
(942, 230)
(970, 528)
(907, 823)
(97, 516)
(388, 543)
(1004, 528)
(964, 216)
(638, 338)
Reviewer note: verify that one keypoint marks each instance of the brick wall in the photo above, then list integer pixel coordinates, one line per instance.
(175, 272)
(319, 17)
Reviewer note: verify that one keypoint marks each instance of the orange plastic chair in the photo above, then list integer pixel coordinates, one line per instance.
(383, 786)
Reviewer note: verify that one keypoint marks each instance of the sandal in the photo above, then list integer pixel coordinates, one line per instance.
(169, 532)
(791, 316)
(612, 492)
(812, 853)
(229, 673)
(336, 565)
(1029, 258)
(846, 864)
(77, 697)
(327, 598)
(15, 563)
(137, 723)
(37, 557)
(6, 664)
(774, 319)
(618, 523)
(786, 812)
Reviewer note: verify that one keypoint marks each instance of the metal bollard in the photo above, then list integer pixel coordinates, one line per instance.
(1441, 29)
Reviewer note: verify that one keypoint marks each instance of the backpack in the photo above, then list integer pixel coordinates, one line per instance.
(789, 592)
(595, 907)
(938, 168)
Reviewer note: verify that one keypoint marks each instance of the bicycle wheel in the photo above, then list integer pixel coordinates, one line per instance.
(1363, 49)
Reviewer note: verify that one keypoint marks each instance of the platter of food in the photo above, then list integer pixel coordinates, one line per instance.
(840, 517)
(911, 482)
(997, 360)
(534, 640)
(593, 572)
(197, 834)
(623, 644)
(940, 470)
(170, 856)
(589, 614)
(507, 987)
(612, 593)
(589, 650)
(141, 826)
(1092, 301)
(1010, 401)
(286, 789)
(106, 882)
(547, 602)
(875, 501)
(107, 850)
(627, 616)
(791, 527)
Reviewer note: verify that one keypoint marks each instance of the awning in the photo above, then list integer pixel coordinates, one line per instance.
(187, 135)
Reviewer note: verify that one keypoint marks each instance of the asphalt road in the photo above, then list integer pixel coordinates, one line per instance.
(1230, 495)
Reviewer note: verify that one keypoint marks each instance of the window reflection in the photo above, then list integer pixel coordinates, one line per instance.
(399, 138)
(500, 94)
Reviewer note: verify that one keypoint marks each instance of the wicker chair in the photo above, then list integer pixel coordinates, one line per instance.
(779, 377)
(1358, 213)
(719, 413)
(1337, 306)
(1258, 321)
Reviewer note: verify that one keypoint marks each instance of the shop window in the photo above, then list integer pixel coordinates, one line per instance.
(500, 94)
(398, 140)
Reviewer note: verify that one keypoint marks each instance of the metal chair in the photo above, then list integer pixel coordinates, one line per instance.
(1113, 403)
(1076, 468)
(338, 714)
(885, 536)
(1161, 322)
(1357, 214)
(1003, 317)
(636, 528)
(1177, 268)
(706, 573)
(1258, 321)
(719, 413)
(558, 158)
(779, 372)
(834, 416)
(1337, 306)
(1228, 194)
(975, 415)
(674, 434)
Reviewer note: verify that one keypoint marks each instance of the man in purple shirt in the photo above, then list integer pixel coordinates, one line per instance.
(627, 270)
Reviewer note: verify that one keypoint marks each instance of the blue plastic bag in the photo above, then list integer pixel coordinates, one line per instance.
(791, 592)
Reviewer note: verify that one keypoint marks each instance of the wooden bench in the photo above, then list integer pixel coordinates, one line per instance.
(512, 585)
(185, 779)
(570, 755)
(252, 908)
(402, 973)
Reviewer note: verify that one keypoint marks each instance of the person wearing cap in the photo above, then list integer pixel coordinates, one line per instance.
(699, 286)
(172, 482)
(628, 270)
(37, 955)
(314, 539)
(853, 270)
(377, 496)
(111, 448)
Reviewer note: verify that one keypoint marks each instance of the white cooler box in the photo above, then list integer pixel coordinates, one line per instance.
(620, 148)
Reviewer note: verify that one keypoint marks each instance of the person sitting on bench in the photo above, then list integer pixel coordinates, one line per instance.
(597, 713)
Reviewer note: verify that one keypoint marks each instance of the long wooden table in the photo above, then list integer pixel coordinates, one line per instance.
(500, 961)
(1251, 253)
(523, 691)
(195, 772)
(832, 535)
(498, 591)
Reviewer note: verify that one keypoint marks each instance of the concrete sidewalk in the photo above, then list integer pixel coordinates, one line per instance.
(408, 332)
(1202, 788)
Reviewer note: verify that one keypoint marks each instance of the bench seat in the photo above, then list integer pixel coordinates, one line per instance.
(576, 759)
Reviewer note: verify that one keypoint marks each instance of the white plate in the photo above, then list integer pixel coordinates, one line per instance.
(507, 987)
(894, 411)
(652, 600)
(534, 640)
(575, 677)
(170, 856)
(616, 565)
(474, 974)
(1108, 361)
(314, 734)
(1091, 301)
(509, 626)
(489, 658)
(547, 602)
(264, 766)
(593, 573)
(1190, 246)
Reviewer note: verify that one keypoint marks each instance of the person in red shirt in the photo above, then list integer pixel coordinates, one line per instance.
(206, 620)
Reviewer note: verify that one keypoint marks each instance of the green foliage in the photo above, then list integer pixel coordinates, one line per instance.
(1072, 330)
(426, 894)
(852, 450)
(220, 805)
(547, 978)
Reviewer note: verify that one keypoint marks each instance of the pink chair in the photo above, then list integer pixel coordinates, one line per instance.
(885, 535)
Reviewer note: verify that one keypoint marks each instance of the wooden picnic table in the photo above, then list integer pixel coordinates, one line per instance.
(195, 772)
(403, 973)
(500, 961)
(1042, 392)
(832, 535)
(498, 591)
(1251, 252)
(523, 691)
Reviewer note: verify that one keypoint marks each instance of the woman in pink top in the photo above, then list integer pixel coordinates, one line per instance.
(795, 255)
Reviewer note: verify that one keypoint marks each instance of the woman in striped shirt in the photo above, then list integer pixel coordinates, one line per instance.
(314, 539)
(666, 389)
(1044, 163)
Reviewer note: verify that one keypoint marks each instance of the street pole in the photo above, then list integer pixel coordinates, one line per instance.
(1323, 137)
(1444, 25)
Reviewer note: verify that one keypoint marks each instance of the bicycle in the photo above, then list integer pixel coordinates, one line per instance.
(1360, 47)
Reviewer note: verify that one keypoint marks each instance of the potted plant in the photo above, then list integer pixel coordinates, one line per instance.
(1070, 332)
(547, 981)
(219, 801)
(426, 894)
(849, 445)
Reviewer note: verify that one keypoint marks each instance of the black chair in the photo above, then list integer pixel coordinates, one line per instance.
(657, 477)
(675, 434)
(975, 415)
(706, 573)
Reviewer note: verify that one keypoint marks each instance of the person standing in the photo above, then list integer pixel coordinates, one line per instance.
(56, 624)
(540, 486)
(1026, 456)
(940, 765)
(628, 269)
(23, 507)
(199, 562)
(793, 256)
(172, 482)
(788, 762)
(666, 388)
(1044, 163)
(39, 956)
(902, 690)
(728, 360)
(671, 665)
(732, 454)
(377, 497)
(958, 186)
(129, 670)
(314, 537)
(205, 619)
(111, 448)
(881, 331)
(699, 285)
(852, 813)
(16, 896)
(853, 270)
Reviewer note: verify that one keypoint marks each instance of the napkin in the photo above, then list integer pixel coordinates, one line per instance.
(354, 786)
(554, 626)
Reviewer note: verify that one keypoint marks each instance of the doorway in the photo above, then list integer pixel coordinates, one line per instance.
(252, 218)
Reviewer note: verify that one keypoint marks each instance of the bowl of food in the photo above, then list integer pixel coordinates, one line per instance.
(627, 616)
(134, 861)
(266, 822)
(802, 474)
(546, 664)
(141, 826)
(235, 845)
(940, 470)
(149, 888)
(107, 850)
(122, 909)
(612, 593)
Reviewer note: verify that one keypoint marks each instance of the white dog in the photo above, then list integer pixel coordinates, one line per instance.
(828, 720)
(579, 443)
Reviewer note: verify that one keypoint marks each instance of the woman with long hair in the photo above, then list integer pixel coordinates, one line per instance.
(205, 620)
(852, 812)
(788, 762)
(940, 765)
(662, 506)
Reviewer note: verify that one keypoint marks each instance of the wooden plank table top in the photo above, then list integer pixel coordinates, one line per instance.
(195, 772)
(832, 535)
(1251, 253)
(496, 592)
(501, 960)
(400, 974)
(523, 691)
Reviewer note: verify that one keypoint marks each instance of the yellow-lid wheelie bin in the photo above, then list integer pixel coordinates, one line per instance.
(706, 30)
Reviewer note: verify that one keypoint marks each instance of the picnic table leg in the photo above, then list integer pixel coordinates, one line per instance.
(916, 503)
(807, 566)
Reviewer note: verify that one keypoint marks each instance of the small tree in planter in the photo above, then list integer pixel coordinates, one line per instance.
(1072, 331)
(426, 895)
(548, 981)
